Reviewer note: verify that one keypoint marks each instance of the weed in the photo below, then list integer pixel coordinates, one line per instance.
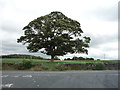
(98, 66)
(26, 64)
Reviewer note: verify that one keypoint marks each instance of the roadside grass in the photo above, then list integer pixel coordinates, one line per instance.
(60, 67)
(46, 65)
(8, 68)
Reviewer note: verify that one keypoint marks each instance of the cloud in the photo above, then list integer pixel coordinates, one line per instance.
(98, 53)
(102, 13)
(12, 47)
(97, 41)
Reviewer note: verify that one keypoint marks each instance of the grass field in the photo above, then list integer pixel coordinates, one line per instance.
(15, 60)
(34, 61)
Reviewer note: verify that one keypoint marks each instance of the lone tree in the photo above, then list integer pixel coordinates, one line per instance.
(54, 34)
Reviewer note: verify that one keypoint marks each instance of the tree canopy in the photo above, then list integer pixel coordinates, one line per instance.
(54, 34)
(79, 58)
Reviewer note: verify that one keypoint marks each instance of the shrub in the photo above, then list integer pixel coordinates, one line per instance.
(5, 67)
(26, 64)
(99, 66)
(36, 68)
(86, 66)
(61, 67)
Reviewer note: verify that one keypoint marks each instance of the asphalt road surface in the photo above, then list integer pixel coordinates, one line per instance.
(63, 79)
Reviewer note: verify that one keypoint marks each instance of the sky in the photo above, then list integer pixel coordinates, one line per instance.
(98, 19)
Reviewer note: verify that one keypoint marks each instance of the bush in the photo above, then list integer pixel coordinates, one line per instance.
(61, 67)
(5, 67)
(36, 68)
(26, 64)
(77, 67)
(99, 66)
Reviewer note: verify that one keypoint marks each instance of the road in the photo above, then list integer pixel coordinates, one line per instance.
(63, 79)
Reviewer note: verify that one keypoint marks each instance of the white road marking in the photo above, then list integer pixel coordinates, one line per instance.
(6, 85)
(27, 76)
(37, 85)
(4, 76)
(15, 76)
(34, 81)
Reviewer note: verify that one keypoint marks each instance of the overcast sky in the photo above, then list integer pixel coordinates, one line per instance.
(98, 19)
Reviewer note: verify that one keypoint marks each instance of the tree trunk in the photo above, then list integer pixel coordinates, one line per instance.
(52, 58)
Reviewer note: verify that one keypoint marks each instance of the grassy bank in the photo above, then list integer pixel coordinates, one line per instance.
(45, 65)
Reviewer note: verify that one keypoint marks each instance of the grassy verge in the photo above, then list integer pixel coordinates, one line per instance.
(45, 65)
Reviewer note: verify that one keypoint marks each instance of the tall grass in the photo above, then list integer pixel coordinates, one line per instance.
(46, 65)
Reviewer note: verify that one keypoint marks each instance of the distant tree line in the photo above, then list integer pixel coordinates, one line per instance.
(79, 58)
(21, 56)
